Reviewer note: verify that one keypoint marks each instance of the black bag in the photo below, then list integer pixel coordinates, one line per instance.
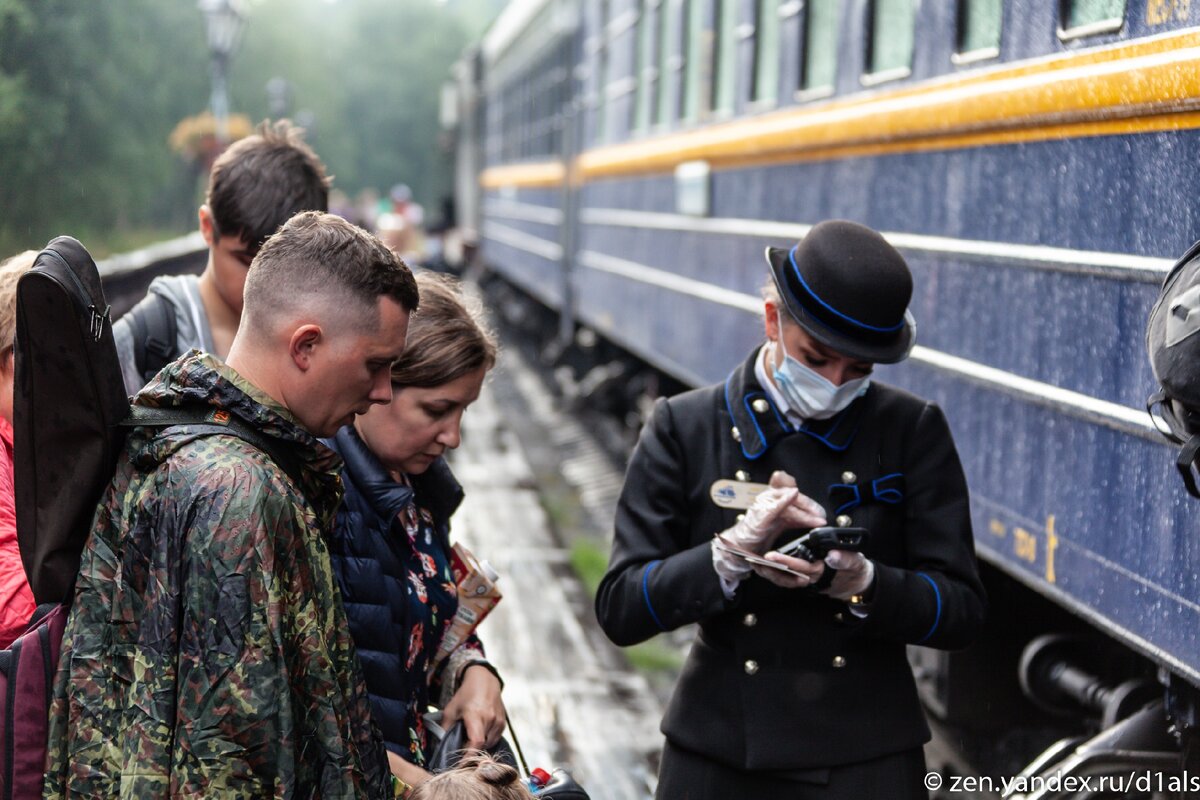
(451, 744)
(68, 403)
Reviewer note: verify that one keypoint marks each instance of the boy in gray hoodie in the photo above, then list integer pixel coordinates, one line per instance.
(253, 188)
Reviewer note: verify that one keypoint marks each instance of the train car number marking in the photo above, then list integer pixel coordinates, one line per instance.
(1051, 546)
(1159, 12)
(1025, 545)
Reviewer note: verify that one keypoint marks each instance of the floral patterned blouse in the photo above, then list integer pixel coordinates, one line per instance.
(391, 553)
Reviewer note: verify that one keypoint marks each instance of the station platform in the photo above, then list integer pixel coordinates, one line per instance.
(572, 696)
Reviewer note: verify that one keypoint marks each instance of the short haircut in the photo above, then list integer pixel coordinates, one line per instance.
(11, 271)
(321, 261)
(770, 293)
(447, 338)
(478, 776)
(261, 181)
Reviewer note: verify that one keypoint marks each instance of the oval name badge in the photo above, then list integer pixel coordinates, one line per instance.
(735, 494)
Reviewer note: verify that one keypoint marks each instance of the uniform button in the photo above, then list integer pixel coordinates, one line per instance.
(751, 667)
(839, 662)
(849, 477)
(839, 617)
(741, 517)
(750, 620)
(761, 406)
(742, 475)
(736, 434)
(843, 520)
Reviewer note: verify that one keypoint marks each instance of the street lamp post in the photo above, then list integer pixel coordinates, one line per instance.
(224, 18)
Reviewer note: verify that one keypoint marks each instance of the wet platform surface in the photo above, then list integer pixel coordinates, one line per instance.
(572, 697)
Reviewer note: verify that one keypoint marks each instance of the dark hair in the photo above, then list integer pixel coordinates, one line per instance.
(447, 338)
(477, 777)
(322, 255)
(262, 180)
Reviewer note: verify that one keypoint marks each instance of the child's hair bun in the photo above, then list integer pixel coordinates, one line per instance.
(494, 773)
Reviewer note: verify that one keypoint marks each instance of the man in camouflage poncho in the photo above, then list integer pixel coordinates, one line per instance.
(207, 652)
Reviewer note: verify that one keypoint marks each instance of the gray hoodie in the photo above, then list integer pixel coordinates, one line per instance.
(191, 325)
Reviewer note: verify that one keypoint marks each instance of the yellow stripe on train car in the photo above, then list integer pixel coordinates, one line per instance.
(1149, 85)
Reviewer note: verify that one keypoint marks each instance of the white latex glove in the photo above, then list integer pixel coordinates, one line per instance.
(855, 574)
(777, 509)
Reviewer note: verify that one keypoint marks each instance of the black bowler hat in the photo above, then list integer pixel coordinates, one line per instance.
(849, 289)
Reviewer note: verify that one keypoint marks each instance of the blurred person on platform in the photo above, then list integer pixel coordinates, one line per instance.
(400, 227)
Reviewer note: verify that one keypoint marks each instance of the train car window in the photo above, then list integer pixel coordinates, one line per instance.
(698, 62)
(1089, 17)
(668, 13)
(647, 73)
(727, 39)
(766, 52)
(819, 55)
(979, 23)
(891, 42)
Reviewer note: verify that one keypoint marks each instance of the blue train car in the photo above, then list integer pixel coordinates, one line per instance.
(626, 161)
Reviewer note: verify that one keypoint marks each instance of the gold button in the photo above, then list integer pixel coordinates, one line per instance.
(751, 667)
(742, 475)
(839, 662)
(750, 620)
(849, 477)
(843, 520)
(761, 406)
(839, 617)
(736, 434)
(741, 517)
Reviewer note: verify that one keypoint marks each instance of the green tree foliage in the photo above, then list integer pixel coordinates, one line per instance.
(369, 72)
(90, 91)
(87, 98)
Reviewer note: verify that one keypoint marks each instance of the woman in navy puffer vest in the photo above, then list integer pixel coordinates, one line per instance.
(391, 547)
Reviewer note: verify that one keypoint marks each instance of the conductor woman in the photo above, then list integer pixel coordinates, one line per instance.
(797, 686)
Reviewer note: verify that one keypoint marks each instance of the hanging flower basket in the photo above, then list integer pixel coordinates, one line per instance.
(195, 137)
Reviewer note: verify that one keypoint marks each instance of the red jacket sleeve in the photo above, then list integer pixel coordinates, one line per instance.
(16, 599)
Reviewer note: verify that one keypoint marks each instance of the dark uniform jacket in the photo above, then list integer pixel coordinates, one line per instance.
(783, 679)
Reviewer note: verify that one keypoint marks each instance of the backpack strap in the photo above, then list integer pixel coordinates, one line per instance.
(210, 420)
(155, 335)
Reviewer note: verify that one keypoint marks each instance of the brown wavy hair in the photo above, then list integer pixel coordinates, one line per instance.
(447, 336)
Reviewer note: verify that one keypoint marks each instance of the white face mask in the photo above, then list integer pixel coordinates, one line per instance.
(808, 393)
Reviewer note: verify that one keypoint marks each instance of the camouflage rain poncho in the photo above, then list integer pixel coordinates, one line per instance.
(207, 652)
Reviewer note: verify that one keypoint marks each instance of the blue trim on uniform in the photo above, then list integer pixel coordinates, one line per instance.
(849, 504)
(646, 593)
(752, 396)
(937, 593)
(733, 419)
(824, 438)
(831, 309)
(887, 495)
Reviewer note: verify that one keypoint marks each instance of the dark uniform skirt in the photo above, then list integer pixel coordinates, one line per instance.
(689, 776)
